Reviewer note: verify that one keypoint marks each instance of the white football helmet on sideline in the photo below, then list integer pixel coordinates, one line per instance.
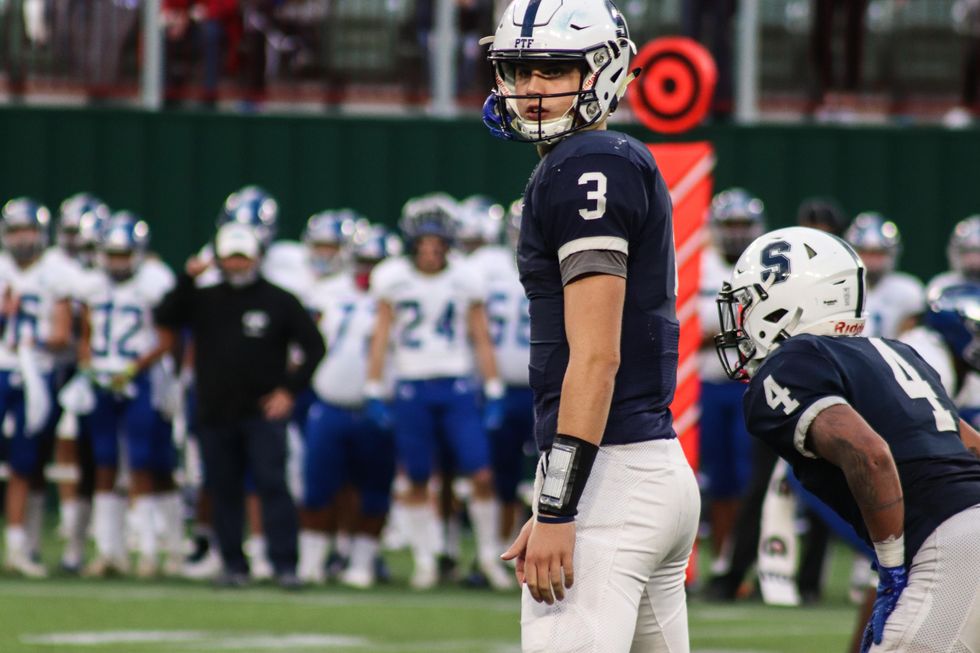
(788, 282)
(590, 32)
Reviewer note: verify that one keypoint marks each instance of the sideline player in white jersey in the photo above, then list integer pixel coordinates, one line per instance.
(735, 219)
(963, 254)
(511, 431)
(894, 299)
(343, 447)
(120, 352)
(80, 221)
(36, 324)
(597, 261)
(431, 314)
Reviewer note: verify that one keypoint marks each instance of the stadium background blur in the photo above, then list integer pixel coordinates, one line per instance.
(346, 103)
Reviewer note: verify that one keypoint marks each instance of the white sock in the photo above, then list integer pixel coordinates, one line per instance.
(144, 517)
(342, 544)
(424, 534)
(117, 526)
(67, 516)
(255, 547)
(170, 508)
(363, 552)
(485, 515)
(71, 515)
(16, 541)
(452, 543)
(34, 521)
(312, 553)
(102, 504)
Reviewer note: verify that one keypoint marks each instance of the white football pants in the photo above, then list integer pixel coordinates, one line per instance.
(636, 524)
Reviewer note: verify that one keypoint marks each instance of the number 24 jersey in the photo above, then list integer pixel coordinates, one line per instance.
(897, 394)
(429, 334)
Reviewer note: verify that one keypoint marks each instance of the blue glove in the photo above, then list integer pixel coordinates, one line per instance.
(891, 582)
(493, 414)
(377, 411)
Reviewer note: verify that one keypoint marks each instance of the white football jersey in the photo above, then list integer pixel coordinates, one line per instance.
(429, 335)
(507, 311)
(346, 321)
(121, 315)
(37, 290)
(714, 272)
(895, 298)
(287, 264)
(57, 257)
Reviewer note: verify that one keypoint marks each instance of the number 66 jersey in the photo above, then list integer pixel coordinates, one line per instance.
(897, 394)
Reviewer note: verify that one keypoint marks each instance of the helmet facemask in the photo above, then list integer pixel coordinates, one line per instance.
(739, 352)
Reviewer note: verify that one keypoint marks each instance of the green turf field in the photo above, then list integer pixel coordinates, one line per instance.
(63, 615)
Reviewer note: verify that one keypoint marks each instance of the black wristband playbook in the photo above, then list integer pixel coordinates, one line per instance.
(569, 464)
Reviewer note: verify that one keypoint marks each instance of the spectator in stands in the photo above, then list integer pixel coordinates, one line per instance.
(12, 45)
(113, 27)
(966, 19)
(205, 31)
(710, 22)
(821, 53)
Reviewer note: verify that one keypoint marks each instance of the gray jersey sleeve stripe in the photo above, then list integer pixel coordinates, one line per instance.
(610, 243)
(593, 262)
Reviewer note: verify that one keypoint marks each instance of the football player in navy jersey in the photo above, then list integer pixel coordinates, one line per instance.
(868, 429)
(616, 504)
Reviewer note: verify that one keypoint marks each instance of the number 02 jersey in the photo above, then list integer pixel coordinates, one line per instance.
(601, 191)
(900, 397)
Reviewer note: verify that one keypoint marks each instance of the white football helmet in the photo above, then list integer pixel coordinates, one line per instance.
(592, 33)
(788, 282)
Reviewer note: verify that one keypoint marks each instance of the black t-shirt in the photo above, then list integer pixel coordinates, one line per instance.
(601, 191)
(241, 344)
(897, 393)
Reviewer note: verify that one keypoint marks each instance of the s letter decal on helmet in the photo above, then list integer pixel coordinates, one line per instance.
(775, 261)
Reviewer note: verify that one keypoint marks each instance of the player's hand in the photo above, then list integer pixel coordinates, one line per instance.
(120, 382)
(518, 549)
(548, 561)
(195, 266)
(891, 582)
(493, 414)
(377, 411)
(277, 405)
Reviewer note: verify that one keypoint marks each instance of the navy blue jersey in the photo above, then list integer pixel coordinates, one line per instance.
(897, 394)
(602, 191)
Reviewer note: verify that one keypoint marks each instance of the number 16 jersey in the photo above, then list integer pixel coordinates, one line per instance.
(897, 394)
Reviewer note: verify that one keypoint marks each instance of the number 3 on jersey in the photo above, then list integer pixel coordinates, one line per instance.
(598, 195)
(914, 385)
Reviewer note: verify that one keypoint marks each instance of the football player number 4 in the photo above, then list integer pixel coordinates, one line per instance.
(598, 195)
(914, 385)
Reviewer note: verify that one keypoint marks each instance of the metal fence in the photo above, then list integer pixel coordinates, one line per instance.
(386, 52)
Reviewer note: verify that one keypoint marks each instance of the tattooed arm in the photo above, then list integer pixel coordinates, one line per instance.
(840, 436)
(971, 439)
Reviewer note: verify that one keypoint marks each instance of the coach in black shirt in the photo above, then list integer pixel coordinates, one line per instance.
(242, 328)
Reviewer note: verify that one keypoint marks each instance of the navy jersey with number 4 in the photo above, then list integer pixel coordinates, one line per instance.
(602, 191)
(897, 394)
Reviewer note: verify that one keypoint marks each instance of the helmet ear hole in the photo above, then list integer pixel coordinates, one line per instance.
(776, 315)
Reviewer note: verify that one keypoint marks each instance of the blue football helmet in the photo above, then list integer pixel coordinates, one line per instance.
(373, 243)
(954, 313)
(326, 236)
(479, 221)
(70, 217)
(24, 224)
(735, 218)
(430, 215)
(253, 206)
(878, 241)
(964, 248)
(124, 243)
